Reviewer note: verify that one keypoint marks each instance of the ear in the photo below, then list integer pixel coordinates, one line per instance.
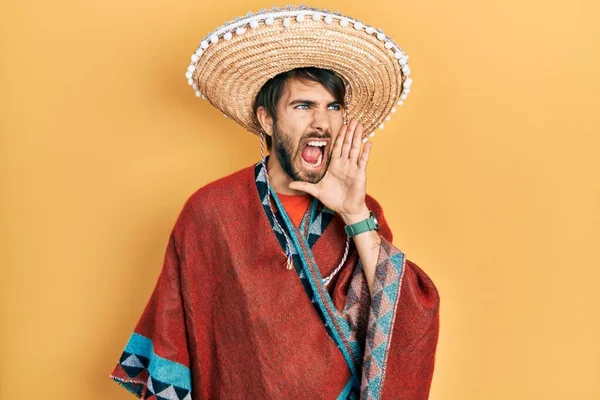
(265, 120)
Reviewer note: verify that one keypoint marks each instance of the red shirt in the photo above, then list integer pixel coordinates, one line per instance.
(295, 206)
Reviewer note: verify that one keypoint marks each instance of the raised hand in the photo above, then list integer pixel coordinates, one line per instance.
(343, 188)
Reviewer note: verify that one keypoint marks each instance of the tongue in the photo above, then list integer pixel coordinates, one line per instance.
(311, 154)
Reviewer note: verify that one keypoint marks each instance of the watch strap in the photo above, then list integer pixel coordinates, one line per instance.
(365, 225)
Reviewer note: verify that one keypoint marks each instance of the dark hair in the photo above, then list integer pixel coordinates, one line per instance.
(271, 92)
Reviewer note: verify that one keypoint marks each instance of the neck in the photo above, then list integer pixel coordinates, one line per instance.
(279, 179)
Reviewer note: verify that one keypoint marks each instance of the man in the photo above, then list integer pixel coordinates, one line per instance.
(280, 281)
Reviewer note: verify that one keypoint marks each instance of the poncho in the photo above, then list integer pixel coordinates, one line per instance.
(227, 320)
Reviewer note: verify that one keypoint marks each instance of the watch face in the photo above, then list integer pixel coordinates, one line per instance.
(375, 221)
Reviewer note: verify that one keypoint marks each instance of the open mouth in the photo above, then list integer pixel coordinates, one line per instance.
(313, 153)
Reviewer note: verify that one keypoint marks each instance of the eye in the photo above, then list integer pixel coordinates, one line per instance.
(301, 107)
(336, 107)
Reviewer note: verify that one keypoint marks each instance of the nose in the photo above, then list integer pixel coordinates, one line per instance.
(320, 120)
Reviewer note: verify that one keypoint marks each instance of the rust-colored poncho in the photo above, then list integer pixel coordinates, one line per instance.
(227, 320)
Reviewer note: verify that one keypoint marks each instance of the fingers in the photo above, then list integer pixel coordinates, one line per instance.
(356, 144)
(348, 139)
(364, 158)
(348, 142)
(337, 146)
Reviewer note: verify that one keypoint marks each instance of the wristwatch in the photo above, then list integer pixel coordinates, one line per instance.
(369, 224)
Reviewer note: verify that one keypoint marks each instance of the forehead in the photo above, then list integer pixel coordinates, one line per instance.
(306, 90)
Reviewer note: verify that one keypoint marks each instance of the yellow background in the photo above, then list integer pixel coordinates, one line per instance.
(489, 176)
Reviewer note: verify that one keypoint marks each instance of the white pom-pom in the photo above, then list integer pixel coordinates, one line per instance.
(198, 94)
(406, 70)
(406, 90)
(358, 25)
(370, 30)
(254, 24)
(191, 68)
(380, 126)
(389, 45)
(199, 52)
(188, 75)
(316, 16)
(365, 140)
(403, 96)
(240, 31)
(408, 82)
(190, 81)
(227, 36)
(300, 18)
(286, 22)
(214, 38)
(195, 57)
(381, 36)
(195, 86)
(388, 118)
(400, 103)
(397, 55)
(372, 134)
(269, 21)
(328, 19)
(204, 44)
(344, 22)
(402, 61)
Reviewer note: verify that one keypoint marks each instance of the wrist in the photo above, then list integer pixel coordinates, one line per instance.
(353, 218)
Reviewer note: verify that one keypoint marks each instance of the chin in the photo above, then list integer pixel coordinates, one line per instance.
(313, 179)
(309, 176)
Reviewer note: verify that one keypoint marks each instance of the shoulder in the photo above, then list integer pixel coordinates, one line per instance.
(223, 188)
(219, 197)
(423, 286)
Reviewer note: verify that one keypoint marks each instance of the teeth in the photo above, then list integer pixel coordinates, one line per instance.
(317, 143)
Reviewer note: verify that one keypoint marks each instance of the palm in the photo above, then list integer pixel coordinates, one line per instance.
(343, 188)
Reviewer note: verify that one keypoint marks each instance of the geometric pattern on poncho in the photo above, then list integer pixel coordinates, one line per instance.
(138, 381)
(350, 324)
(162, 391)
(326, 311)
(389, 273)
(322, 218)
(135, 367)
(333, 321)
(150, 376)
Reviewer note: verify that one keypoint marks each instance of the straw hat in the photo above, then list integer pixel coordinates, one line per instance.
(232, 63)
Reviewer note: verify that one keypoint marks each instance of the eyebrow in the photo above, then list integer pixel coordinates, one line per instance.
(310, 102)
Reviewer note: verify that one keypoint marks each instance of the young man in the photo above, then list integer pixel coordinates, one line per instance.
(280, 281)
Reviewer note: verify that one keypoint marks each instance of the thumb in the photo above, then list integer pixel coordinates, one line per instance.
(309, 188)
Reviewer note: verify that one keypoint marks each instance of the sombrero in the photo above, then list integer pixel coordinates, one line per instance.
(232, 63)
